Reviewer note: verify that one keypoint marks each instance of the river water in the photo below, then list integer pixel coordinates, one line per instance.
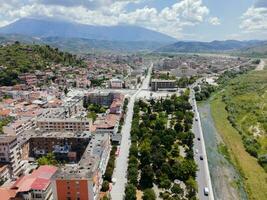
(226, 181)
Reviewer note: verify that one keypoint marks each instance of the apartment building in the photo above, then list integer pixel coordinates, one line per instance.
(83, 181)
(20, 125)
(60, 143)
(29, 79)
(116, 84)
(10, 153)
(68, 124)
(158, 84)
(5, 173)
(106, 124)
(36, 186)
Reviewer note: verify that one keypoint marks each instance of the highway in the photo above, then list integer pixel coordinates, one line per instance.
(203, 175)
(120, 171)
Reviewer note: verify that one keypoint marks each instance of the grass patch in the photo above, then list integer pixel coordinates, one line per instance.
(255, 178)
(222, 148)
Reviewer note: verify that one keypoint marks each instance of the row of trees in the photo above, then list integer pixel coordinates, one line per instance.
(183, 82)
(204, 91)
(154, 154)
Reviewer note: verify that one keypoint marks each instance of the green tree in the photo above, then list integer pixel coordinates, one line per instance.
(49, 159)
(130, 192)
(164, 182)
(176, 189)
(149, 194)
(147, 177)
(66, 91)
(105, 186)
(191, 187)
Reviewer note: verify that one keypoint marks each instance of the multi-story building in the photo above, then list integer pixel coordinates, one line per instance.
(5, 173)
(10, 153)
(68, 124)
(29, 79)
(20, 125)
(83, 180)
(101, 98)
(36, 186)
(107, 124)
(42, 142)
(116, 83)
(158, 84)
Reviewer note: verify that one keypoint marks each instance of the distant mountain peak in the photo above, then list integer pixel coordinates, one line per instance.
(55, 28)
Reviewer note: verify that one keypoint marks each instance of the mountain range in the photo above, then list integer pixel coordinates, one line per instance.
(80, 38)
(209, 47)
(43, 28)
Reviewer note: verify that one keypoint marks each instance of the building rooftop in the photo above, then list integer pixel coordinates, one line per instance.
(161, 80)
(38, 180)
(7, 138)
(89, 161)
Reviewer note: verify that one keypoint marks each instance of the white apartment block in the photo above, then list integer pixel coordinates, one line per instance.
(11, 154)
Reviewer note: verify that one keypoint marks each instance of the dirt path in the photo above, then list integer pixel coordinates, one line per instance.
(261, 65)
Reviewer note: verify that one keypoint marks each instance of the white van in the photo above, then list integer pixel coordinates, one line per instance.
(206, 191)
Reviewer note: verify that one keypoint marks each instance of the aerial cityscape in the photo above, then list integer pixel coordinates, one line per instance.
(133, 100)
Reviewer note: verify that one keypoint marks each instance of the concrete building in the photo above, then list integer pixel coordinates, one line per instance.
(5, 173)
(167, 85)
(60, 143)
(29, 79)
(60, 125)
(10, 154)
(107, 124)
(36, 186)
(116, 84)
(20, 125)
(83, 180)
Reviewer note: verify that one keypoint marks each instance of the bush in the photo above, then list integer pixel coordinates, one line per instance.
(262, 160)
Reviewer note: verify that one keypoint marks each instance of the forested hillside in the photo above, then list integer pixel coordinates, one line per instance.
(19, 58)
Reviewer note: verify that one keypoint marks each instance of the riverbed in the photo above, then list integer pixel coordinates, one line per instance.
(226, 180)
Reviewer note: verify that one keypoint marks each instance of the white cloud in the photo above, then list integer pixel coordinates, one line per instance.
(170, 20)
(254, 20)
(214, 21)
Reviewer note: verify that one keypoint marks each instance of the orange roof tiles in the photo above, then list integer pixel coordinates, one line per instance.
(7, 193)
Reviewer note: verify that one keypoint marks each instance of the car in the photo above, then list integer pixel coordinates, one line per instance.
(206, 191)
(114, 180)
(196, 119)
(198, 138)
(196, 151)
(201, 157)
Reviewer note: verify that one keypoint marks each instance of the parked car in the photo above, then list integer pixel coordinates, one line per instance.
(201, 157)
(206, 191)
(198, 138)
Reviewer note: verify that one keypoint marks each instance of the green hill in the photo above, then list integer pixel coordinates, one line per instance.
(19, 58)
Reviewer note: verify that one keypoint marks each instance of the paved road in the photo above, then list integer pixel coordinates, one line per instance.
(203, 175)
(120, 171)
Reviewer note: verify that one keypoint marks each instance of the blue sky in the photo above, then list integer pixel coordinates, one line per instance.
(202, 20)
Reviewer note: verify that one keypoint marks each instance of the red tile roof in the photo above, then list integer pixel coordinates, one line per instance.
(7, 194)
(38, 180)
